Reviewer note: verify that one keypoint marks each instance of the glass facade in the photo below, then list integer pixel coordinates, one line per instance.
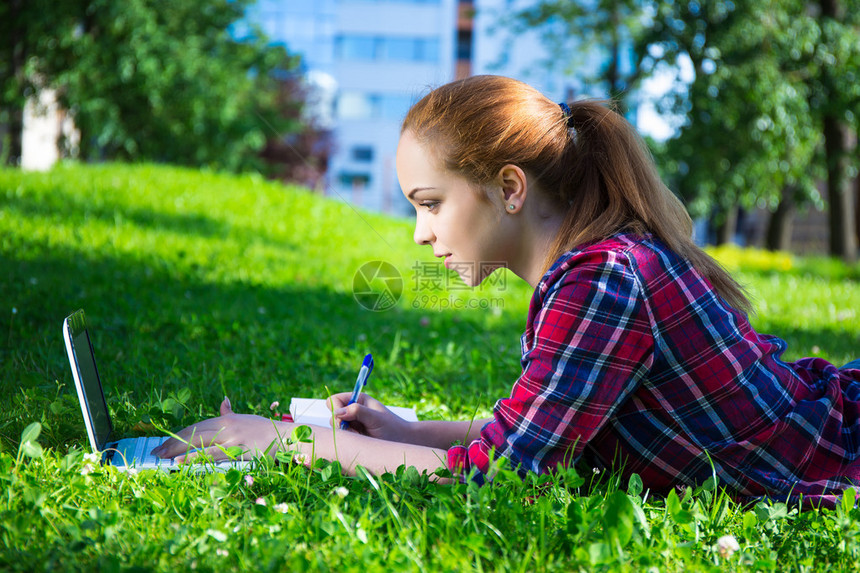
(386, 48)
(363, 153)
(426, 2)
(363, 105)
(366, 60)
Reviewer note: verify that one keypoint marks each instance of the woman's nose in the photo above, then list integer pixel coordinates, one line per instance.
(423, 235)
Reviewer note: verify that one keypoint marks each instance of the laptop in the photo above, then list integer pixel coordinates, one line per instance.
(126, 453)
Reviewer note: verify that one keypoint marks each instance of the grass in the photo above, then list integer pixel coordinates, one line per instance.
(199, 285)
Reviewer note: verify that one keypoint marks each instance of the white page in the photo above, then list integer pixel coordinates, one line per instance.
(315, 412)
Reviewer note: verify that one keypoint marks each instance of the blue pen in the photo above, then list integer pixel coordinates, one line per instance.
(360, 382)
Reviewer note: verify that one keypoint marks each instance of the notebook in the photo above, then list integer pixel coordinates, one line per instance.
(126, 453)
(315, 412)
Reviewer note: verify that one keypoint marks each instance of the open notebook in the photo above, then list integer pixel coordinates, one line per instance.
(315, 412)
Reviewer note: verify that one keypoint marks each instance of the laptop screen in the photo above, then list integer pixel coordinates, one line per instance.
(87, 380)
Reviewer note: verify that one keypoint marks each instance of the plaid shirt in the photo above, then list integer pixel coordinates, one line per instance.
(630, 356)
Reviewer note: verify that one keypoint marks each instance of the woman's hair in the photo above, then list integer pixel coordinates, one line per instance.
(592, 163)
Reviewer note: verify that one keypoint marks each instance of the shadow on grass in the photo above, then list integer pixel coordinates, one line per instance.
(161, 328)
(839, 345)
(158, 330)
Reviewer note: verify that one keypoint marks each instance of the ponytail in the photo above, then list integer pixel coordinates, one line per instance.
(588, 158)
(614, 187)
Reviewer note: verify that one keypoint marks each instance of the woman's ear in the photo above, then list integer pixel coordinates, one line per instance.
(514, 187)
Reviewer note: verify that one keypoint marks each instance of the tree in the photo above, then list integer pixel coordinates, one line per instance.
(773, 106)
(605, 27)
(837, 100)
(23, 32)
(749, 137)
(776, 81)
(146, 79)
(302, 155)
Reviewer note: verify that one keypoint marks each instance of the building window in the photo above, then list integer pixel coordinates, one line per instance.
(464, 45)
(356, 47)
(362, 153)
(354, 105)
(356, 181)
(407, 1)
(394, 106)
(427, 50)
(387, 48)
(393, 49)
(359, 105)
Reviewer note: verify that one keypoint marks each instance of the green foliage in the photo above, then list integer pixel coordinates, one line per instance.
(769, 111)
(145, 79)
(749, 133)
(577, 33)
(201, 285)
(772, 102)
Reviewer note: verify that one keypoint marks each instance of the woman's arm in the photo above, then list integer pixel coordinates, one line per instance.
(369, 416)
(258, 435)
(443, 433)
(377, 456)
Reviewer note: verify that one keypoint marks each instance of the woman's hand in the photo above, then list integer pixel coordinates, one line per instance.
(254, 434)
(370, 417)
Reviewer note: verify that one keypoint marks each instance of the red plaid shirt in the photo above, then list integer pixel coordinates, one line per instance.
(630, 356)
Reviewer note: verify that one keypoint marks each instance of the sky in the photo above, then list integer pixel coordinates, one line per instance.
(649, 121)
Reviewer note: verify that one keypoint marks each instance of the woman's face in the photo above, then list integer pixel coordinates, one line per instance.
(470, 232)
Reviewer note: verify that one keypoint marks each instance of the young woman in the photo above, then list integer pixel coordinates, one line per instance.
(637, 352)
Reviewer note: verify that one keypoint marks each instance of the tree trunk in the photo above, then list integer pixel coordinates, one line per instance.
(857, 209)
(728, 227)
(840, 197)
(16, 49)
(16, 132)
(781, 223)
(843, 242)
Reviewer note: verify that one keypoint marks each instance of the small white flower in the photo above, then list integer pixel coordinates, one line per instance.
(221, 552)
(87, 469)
(274, 405)
(282, 508)
(249, 480)
(236, 529)
(260, 501)
(341, 492)
(595, 471)
(727, 545)
(92, 458)
(300, 458)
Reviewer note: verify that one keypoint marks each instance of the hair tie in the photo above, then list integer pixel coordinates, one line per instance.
(565, 110)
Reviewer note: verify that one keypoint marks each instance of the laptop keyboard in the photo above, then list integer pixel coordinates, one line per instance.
(136, 452)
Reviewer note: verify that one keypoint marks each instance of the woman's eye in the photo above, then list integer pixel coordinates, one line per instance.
(430, 205)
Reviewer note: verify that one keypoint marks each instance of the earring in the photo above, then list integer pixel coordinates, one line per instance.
(512, 207)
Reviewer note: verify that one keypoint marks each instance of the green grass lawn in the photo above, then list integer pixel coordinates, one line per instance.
(199, 285)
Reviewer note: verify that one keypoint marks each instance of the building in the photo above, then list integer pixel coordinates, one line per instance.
(373, 58)
(380, 57)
